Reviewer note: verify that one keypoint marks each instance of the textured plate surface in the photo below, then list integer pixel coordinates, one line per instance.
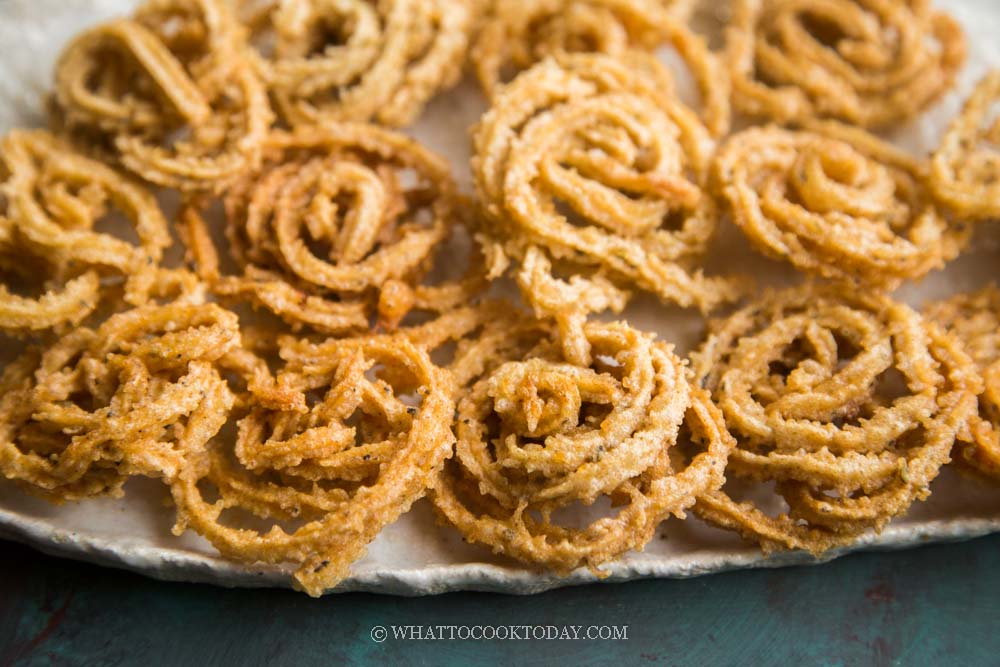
(415, 556)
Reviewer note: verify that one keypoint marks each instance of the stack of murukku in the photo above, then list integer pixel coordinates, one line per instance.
(314, 364)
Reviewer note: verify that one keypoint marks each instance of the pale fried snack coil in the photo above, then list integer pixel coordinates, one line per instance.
(519, 34)
(582, 156)
(975, 320)
(516, 35)
(346, 465)
(353, 60)
(836, 202)
(138, 396)
(168, 93)
(68, 298)
(867, 62)
(336, 214)
(567, 302)
(965, 169)
(536, 434)
(53, 200)
(850, 402)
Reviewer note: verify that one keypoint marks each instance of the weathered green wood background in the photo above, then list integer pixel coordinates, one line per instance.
(938, 605)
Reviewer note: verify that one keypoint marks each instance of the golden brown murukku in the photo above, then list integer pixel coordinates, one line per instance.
(836, 202)
(354, 60)
(168, 93)
(849, 402)
(975, 320)
(536, 435)
(369, 433)
(584, 158)
(867, 62)
(550, 437)
(55, 204)
(138, 396)
(337, 214)
(517, 34)
(965, 169)
(68, 296)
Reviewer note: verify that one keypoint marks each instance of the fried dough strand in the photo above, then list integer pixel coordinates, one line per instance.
(351, 60)
(536, 434)
(975, 320)
(837, 202)
(867, 62)
(583, 157)
(54, 200)
(363, 436)
(965, 169)
(138, 396)
(849, 402)
(515, 35)
(337, 216)
(168, 93)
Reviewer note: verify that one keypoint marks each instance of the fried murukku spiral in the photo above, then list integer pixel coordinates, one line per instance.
(53, 201)
(68, 296)
(975, 320)
(867, 62)
(849, 402)
(355, 60)
(965, 169)
(584, 158)
(517, 34)
(836, 202)
(337, 215)
(369, 434)
(536, 434)
(137, 396)
(168, 92)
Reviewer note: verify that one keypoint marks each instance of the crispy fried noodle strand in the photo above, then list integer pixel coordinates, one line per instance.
(168, 93)
(354, 60)
(868, 62)
(965, 169)
(339, 466)
(337, 214)
(517, 34)
(835, 202)
(584, 158)
(138, 396)
(975, 319)
(850, 403)
(53, 200)
(537, 434)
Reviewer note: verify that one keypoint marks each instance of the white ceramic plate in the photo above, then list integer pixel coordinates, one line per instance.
(415, 556)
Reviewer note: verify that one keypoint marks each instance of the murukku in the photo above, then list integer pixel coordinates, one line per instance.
(336, 214)
(516, 35)
(836, 202)
(168, 93)
(55, 204)
(965, 169)
(138, 396)
(370, 433)
(68, 296)
(584, 158)
(353, 60)
(537, 435)
(867, 62)
(850, 402)
(975, 320)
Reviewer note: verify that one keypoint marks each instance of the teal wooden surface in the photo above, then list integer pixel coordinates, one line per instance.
(937, 605)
